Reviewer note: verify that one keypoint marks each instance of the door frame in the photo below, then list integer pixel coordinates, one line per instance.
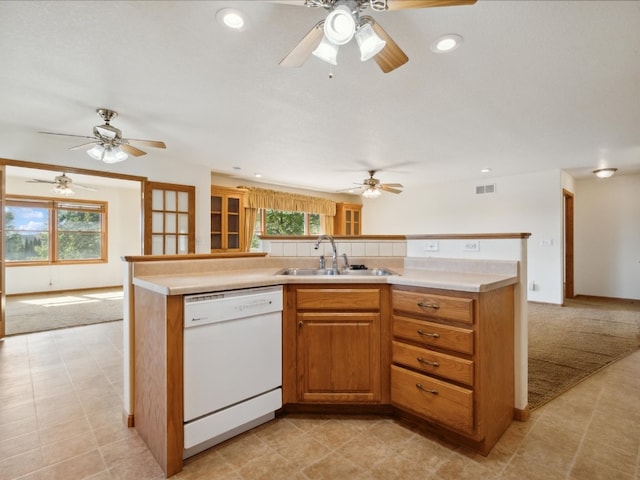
(4, 162)
(568, 290)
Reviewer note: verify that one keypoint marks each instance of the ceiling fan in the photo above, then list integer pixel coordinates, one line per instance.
(345, 22)
(62, 184)
(108, 143)
(372, 188)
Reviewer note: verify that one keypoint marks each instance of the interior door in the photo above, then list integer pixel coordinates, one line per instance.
(169, 219)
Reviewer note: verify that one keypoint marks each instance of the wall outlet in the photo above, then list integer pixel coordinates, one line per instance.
(533, 286)
(471, 245)
(546, 242)
(431, 246)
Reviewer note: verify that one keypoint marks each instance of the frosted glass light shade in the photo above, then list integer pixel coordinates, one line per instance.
(605, 172)
(369, 43)
(340, 25)
(371, 193)
(327, 51)
(63, 191)
(107, 154)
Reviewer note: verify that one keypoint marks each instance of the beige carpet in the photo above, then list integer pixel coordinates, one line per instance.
(569, 343)
(37, 313)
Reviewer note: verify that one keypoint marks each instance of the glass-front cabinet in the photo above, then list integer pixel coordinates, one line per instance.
(348, 219)
(227, 219)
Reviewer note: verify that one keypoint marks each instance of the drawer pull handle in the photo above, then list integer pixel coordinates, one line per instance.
(420, 387)
(427, 334)
(435, 306)
(427, 362)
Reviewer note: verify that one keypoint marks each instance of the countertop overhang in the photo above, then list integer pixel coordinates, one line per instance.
(185, 284)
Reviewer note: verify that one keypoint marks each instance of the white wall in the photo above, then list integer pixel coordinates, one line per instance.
(607, 237)
(524, 203)
(124, 229)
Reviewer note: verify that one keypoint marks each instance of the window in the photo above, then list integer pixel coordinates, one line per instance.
(279, 222)
(44, 231)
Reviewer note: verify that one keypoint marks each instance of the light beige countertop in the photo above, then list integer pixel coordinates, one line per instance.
(183, 284)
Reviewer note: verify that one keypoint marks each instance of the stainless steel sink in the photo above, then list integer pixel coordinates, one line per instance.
(329, 271)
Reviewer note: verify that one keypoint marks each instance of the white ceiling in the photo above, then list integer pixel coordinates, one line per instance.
(537, 85)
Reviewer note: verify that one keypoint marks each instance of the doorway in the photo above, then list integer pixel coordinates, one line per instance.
(32, 179)
(568, 245)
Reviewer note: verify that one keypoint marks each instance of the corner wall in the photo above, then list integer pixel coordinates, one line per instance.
(607, 237)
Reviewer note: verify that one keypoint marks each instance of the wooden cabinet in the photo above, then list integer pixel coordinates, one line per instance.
(452, 355)
(333, 344)
(227, 219)
(348, 219)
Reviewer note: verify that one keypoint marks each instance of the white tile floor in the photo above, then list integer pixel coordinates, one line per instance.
(61, 418)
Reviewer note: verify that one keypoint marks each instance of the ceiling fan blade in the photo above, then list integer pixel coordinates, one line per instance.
(35, 180)
(148, 143)
(66, 135)
(84, 187)
(391, 56)
(302, 51)
(82, 145)
(397, 185)
(403, 4)
(389, 189)
(136, 152)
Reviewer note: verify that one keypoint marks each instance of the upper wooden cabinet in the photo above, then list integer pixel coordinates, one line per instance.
(348, 219)
(227, 219)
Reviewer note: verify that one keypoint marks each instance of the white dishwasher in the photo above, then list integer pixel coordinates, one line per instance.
(232, 363)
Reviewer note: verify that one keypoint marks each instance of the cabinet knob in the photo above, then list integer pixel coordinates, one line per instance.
(420, 387)
(300, 323)
(428, 334)
(435, 306)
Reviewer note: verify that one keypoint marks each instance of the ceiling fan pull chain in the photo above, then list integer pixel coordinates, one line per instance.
(330, 71)
(378, 5)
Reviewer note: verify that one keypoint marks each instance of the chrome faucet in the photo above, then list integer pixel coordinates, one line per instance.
(346, 261)
(334, 261)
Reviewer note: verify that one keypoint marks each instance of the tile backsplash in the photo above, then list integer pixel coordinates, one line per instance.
(353, 248)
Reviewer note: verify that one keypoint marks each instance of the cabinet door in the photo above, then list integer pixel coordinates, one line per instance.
(226, 220)
(338, 357)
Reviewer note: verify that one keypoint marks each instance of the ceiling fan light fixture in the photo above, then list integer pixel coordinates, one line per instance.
(371, 192)
(340, 26)
(327, 51)
(107, 154)
(369, 43)
(63, 190)
(605, 172)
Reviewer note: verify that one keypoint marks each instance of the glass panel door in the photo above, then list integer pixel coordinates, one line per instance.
(169, 219)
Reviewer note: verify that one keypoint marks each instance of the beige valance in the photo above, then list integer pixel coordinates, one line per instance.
(289, 202)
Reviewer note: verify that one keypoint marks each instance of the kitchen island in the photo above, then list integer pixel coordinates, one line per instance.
(473, 407)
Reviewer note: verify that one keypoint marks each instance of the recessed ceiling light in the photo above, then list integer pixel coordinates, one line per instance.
(485, 170)
(446, 43)
(231, 18)
(258, 175)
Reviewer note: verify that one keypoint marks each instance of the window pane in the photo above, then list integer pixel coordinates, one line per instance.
(157, 223)
(171, 203)
(170, 245)
(79, 246)
(79, 235)
(170, 222)
(156, 200)
(314, 224)
(26, 234)
(284, 223)
(157, 245)
(183, 202)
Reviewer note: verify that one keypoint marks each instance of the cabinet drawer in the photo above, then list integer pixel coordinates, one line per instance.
(434, 334)
(441, 364)
(338, 298)
(437, 306)
(432, 399)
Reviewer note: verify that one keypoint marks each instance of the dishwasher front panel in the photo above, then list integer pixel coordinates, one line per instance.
(227, 362)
